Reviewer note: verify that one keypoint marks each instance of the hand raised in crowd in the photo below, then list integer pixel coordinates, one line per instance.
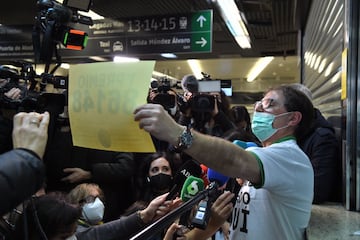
(222, 208)
(225, 229)
(180, 230)
(216, 108)
(154, 119)
(31, 131)
(76, 175)
(220, 212)
(13, 93)
(158, 207)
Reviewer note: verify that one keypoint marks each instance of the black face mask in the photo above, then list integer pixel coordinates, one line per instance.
(160, 182)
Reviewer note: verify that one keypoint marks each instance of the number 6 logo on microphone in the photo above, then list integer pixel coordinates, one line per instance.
(191, 187)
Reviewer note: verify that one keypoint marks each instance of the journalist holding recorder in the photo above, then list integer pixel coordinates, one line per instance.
(22, 171)
(276, 201)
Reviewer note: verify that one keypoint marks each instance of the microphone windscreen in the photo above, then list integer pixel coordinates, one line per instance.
(219, 178)
(204, 174)
(191, 187)
(241, 144)
(251, 144)
(189, 168)
(245, 145)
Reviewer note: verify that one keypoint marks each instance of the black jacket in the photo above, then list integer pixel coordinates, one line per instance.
(112, 171)
(21, 175)
(123, 228)
(222, 124)
(322, 147)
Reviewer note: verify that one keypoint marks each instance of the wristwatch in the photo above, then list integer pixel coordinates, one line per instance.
(185, 140)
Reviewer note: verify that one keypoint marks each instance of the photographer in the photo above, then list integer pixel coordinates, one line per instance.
(198, 112)
(160, 92)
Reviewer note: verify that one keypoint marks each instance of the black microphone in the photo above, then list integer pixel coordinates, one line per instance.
(203, 212)
(189, 168)
(192, 193)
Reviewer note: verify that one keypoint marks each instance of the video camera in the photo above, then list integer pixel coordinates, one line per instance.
(32, 98)
(52, 24)
(201, 101)
(161, 88)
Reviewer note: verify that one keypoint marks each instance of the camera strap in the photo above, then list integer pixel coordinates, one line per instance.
(36, 39)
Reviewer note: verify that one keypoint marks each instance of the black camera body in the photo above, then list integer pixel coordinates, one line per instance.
(202, 215)
(161, 88)
(52, 26)
(31, 99)
(202, 103)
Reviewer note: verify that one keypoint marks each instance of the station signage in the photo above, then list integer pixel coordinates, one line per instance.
(16, 42)
(181, 33)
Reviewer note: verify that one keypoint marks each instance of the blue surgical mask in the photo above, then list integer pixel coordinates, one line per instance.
(262, 125)
(93, 212)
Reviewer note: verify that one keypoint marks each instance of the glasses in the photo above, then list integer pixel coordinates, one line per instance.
(266, 103)
(89, 199)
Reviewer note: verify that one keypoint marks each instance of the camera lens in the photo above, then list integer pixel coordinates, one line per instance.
(202, 103)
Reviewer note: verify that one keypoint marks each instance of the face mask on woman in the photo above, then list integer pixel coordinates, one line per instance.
(93, 212)
(160, 182)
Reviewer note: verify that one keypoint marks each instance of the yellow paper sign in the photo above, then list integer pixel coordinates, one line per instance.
(102, 98)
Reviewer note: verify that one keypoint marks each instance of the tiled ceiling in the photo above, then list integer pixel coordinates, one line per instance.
(273, 25)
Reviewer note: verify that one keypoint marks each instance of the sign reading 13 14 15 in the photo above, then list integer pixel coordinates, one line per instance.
(188, 32)
(182, 33)
(190, 22)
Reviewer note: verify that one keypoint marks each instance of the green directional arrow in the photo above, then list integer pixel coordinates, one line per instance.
(202, 21)
(201, 42)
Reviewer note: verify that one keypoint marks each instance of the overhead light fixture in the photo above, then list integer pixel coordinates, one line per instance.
(65, 66)
(93, 15)
(168, 55)
(234, 21)
(195, 68)
(119, 59)
(98, 59)
(158, 74)
(258, 67)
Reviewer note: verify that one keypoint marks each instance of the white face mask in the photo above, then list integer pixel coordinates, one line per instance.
(93, 212)
(173, 110)
(73, 237)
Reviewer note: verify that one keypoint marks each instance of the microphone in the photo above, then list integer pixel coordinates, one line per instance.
(219, 178)
(244, 145)
(203, 212)
(204, 174)
(189, 168)
(191, 187)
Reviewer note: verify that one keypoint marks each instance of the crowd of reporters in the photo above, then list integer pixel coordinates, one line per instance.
(130, 191)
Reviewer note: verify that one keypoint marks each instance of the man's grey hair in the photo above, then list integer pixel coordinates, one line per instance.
(302, 88)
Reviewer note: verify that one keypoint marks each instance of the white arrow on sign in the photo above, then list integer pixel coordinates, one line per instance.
(201, 19)
(203, 42)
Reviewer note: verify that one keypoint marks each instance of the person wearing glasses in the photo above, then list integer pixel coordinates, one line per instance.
(91, 199)
(276, 203)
